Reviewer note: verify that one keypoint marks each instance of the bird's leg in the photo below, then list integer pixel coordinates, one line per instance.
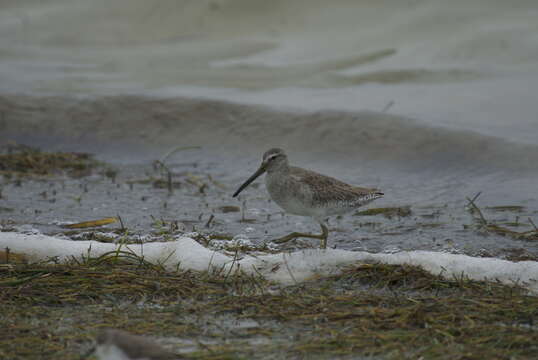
(294, 235)
(324, 235)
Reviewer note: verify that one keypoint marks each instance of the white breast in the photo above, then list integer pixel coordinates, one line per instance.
(288, 195)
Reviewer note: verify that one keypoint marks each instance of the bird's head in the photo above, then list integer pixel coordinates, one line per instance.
(273, 160)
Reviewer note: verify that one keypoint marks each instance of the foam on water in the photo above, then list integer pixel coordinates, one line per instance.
(282, 268)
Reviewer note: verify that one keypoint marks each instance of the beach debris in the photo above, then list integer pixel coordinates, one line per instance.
(511, 208)
(387, 106)
(484, 225)
(388, 212)
(175, 150)
(166, 180)
(208, 223)
(229, 208)
(161, 183)
(244, 219)
(216, 183)
(92, 223)
(23, 160)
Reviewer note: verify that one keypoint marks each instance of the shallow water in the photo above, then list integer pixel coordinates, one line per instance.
(435, 196)
(429, 101)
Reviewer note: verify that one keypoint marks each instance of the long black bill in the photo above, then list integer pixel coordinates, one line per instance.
(258, 172)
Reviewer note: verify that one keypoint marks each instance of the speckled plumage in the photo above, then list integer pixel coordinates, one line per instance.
(307, 193)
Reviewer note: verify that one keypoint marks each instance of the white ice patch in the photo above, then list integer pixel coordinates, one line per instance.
(283, 268)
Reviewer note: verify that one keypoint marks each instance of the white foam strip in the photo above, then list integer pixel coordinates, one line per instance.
(186, 251)
(282, 268)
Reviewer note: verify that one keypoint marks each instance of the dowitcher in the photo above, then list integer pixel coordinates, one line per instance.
(119, 345)
(307, 193)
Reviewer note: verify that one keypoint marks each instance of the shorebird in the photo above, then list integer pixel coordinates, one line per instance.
(120, 345)
(307, 193)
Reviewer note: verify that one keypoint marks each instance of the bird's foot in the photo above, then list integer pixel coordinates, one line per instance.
(295, 235)
(284, 239)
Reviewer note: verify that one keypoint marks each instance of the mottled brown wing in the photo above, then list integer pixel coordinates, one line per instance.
(327, 189)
